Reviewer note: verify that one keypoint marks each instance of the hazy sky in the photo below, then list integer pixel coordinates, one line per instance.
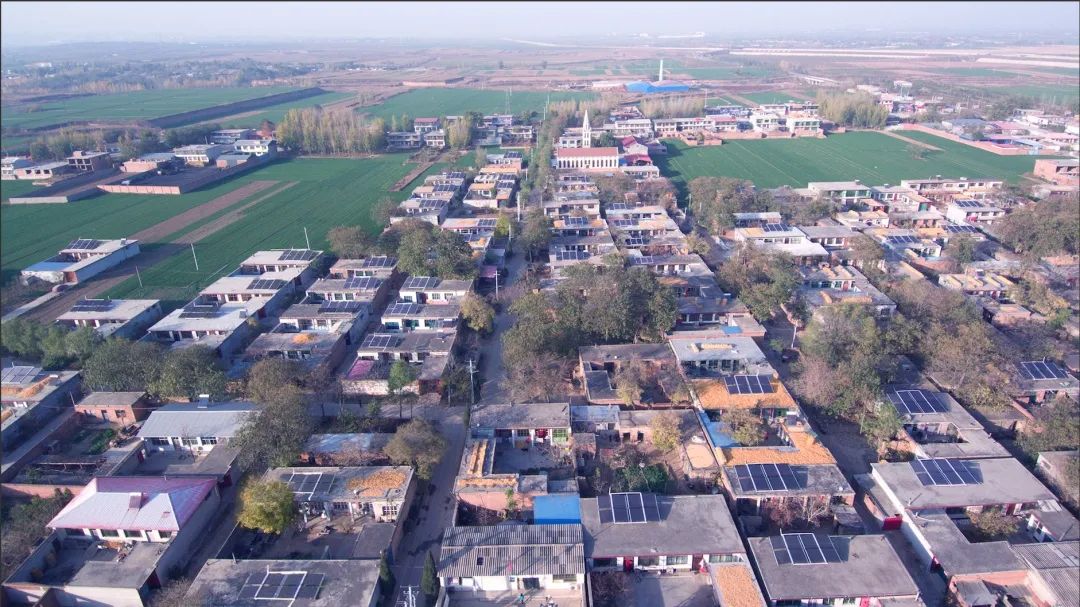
(51, 22)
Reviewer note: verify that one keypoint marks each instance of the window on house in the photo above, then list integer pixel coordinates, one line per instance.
(120, 414)
(209, 440)
(566, 579)
(108, 533)
(159, 441)
(189, 442)
(390, 510)
(559, 434)
(678, 560)
(164, 534)
(521, 432)
(648, 561)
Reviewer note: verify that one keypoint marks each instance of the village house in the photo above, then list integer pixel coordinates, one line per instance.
(127, 318)
(969, 211)
(489, 560)
(929, 500)
(42, 171)
(10, 164)
(1040, 381)
(354, 449)
(405, 317)
(404, 140)
(325, 582)
(646, 531)
(978, 284)
(116, 540)
(382, 493)
(1058, 171)
(318, 351)
(936, 426)
(378, 266)
(225, 328)
(842, 192)
(785, 239)
(83, 161)
(522, 425)
(599, 367)
(283, 260)
(807, 568)
(29, 399)
(258, 147)
(82, 259)
(430, 353)
(347, 318)
(116, 408)
(195, 428)
(429, 289)
(939, 187)
(830, 286)
(368, 289)
(202, 154)
(231, 136)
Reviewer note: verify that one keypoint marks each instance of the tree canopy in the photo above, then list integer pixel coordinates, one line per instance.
(417, 444)
(762, 280)
(1048, 227)
(53, 346)
(266, 505)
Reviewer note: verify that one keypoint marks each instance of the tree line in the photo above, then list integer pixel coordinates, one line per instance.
(856, 110)
(317, 131)
(673, 107)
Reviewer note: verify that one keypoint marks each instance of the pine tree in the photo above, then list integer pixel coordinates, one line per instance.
(429, 580)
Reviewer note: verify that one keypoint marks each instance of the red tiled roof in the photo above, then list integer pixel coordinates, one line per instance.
(585, 152)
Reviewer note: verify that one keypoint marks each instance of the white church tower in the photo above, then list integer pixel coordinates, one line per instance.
(586, 132)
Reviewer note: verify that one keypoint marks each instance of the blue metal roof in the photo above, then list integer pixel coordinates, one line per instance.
(557, 509)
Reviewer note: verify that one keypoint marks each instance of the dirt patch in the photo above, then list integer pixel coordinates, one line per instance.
(413, 174)
(113, 277)
(921, 144)
(175, 224)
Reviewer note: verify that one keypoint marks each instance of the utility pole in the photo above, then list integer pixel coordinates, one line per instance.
(472, 384)
(138, 276)
(306, 240)
(496, 283)
(519, 204)
(794, 331)
(194, 257)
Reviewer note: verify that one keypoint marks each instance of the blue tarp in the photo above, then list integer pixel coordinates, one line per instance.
(557, 509)
(732, 330)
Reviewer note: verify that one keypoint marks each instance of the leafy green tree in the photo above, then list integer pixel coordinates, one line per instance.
(275, 435)
(961, 248)
(1050, 227)
(429, 579)
(503, 226)
(414, 253)
(628, 383)
(189, 372)
(665, 431)
(536, 233)
(880, 426)
(386, 576)
(81, 343)
(511, 502)
(274, 379)
(383, 210)
(746, 427)
(453, 256)
(119, 365)
(417, 444)
(349, 242)
(268, 506)
(478, 314)
(401, 376)
(24, 525)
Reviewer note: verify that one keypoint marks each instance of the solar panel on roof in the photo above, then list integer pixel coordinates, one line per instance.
(339, 306)
(445, 187)
(795, 549)
(576, 221)
(92, 305)
(260, 284)
(780, 551)
(362, 283)
(377, 340)
(903, 239)
(297, 255)
(749, 384)
(915, 402)
(379, 262)
(967, 204)
(635, 242)
(84, 244)
(959, 229)
(486, 223)
(1037, 369)
(571, 255)
(946, 472)
(603, 506)
(775, 227)
(19, 375)
(309, 588)
(628, 507)
(624, 223)
(618, 206)
(403, 309)
(421, 282)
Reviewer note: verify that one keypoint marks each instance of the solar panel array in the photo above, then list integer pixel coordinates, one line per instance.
(749, 384)
(775, 227)
(297, 255)
(947, 472)
(201, 310)
(768, 477)
(576, 221)
(958, 229)
(445, 187)
(84, 244)
(455, 175)
(378, 340)
(967, 204)
(635, 242)
(287, 586)
(1037, 369)
(625, 508)
(914, 402)
(310, 483)
(421, 282)
(803, 549)
(19, 375)
(93, 305)
(269, 284)
(644, 260)
(340, 306)
(903, 239)
(486, 223)
(363, 283)
(571, 255)
(381, 261)
(403, 309)
(618, 206)
(624, 223)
